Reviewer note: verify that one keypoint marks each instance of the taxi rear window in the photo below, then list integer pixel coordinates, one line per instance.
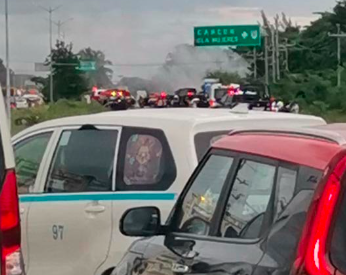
(204, 140)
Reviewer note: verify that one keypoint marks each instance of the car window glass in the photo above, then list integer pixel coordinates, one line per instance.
(248, 201)
(28, 155)
(143, 160)
(83, 161)
(286, 182)
(200, 201)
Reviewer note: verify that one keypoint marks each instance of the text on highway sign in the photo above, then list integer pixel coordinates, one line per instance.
(87, 66)
(246, 36)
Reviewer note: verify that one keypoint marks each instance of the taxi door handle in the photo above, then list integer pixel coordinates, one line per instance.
(95, 209)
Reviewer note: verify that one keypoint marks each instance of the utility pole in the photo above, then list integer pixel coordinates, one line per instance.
(284, 48)
(50, 10)
(338, 35)
(8, 84)
(255, 63)
(277, 45)
(273, 48)
(266, 63)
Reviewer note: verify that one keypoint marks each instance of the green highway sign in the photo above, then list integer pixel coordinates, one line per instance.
(87, 66)
(246, 36)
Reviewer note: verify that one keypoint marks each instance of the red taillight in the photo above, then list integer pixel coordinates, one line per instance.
(211, 103)
(9, 209)
(315, 234)
(163, 95)
(231, 92)
(190, 93)
(10, 224)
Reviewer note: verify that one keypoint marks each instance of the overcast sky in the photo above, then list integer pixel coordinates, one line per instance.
(133, 31)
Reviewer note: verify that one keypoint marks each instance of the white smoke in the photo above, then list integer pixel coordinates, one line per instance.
(186, 66)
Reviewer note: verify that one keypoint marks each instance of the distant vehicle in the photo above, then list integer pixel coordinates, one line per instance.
(33, 97)
(262, 201)
(21, 103)
(117, 99)
(183, 97)
(254, 94)
(207, 84)
(78, 175)
(223, 95)
(153, 100)
(157, 100)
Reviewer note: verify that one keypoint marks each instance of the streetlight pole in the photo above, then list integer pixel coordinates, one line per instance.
(273, 48)
(255, 63)
(51, 93)
(50, 10)
(8, 84)
(266, 58)
(277, 46)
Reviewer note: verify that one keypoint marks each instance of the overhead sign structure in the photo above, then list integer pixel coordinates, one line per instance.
(87, 66)
(41, 67)
(242, 36)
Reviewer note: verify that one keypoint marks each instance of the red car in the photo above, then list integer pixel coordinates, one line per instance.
(261, 201)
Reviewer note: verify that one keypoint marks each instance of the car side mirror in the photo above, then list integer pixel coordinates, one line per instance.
(141, 222)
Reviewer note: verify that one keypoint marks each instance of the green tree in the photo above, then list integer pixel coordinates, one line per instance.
(103, 75)
(69, 82)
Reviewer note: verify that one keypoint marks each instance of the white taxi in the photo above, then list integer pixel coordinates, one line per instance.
(78, 175)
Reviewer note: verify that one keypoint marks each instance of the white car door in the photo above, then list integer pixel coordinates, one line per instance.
(146, 171)
(30, 151)
(70, 222)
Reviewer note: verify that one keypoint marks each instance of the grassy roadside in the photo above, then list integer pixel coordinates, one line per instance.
(24, 118)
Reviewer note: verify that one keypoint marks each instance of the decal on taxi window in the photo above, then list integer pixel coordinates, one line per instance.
(143, 160)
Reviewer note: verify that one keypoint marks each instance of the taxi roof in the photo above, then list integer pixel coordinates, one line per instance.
(312, 146)
(189, 115)
(184, 119)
